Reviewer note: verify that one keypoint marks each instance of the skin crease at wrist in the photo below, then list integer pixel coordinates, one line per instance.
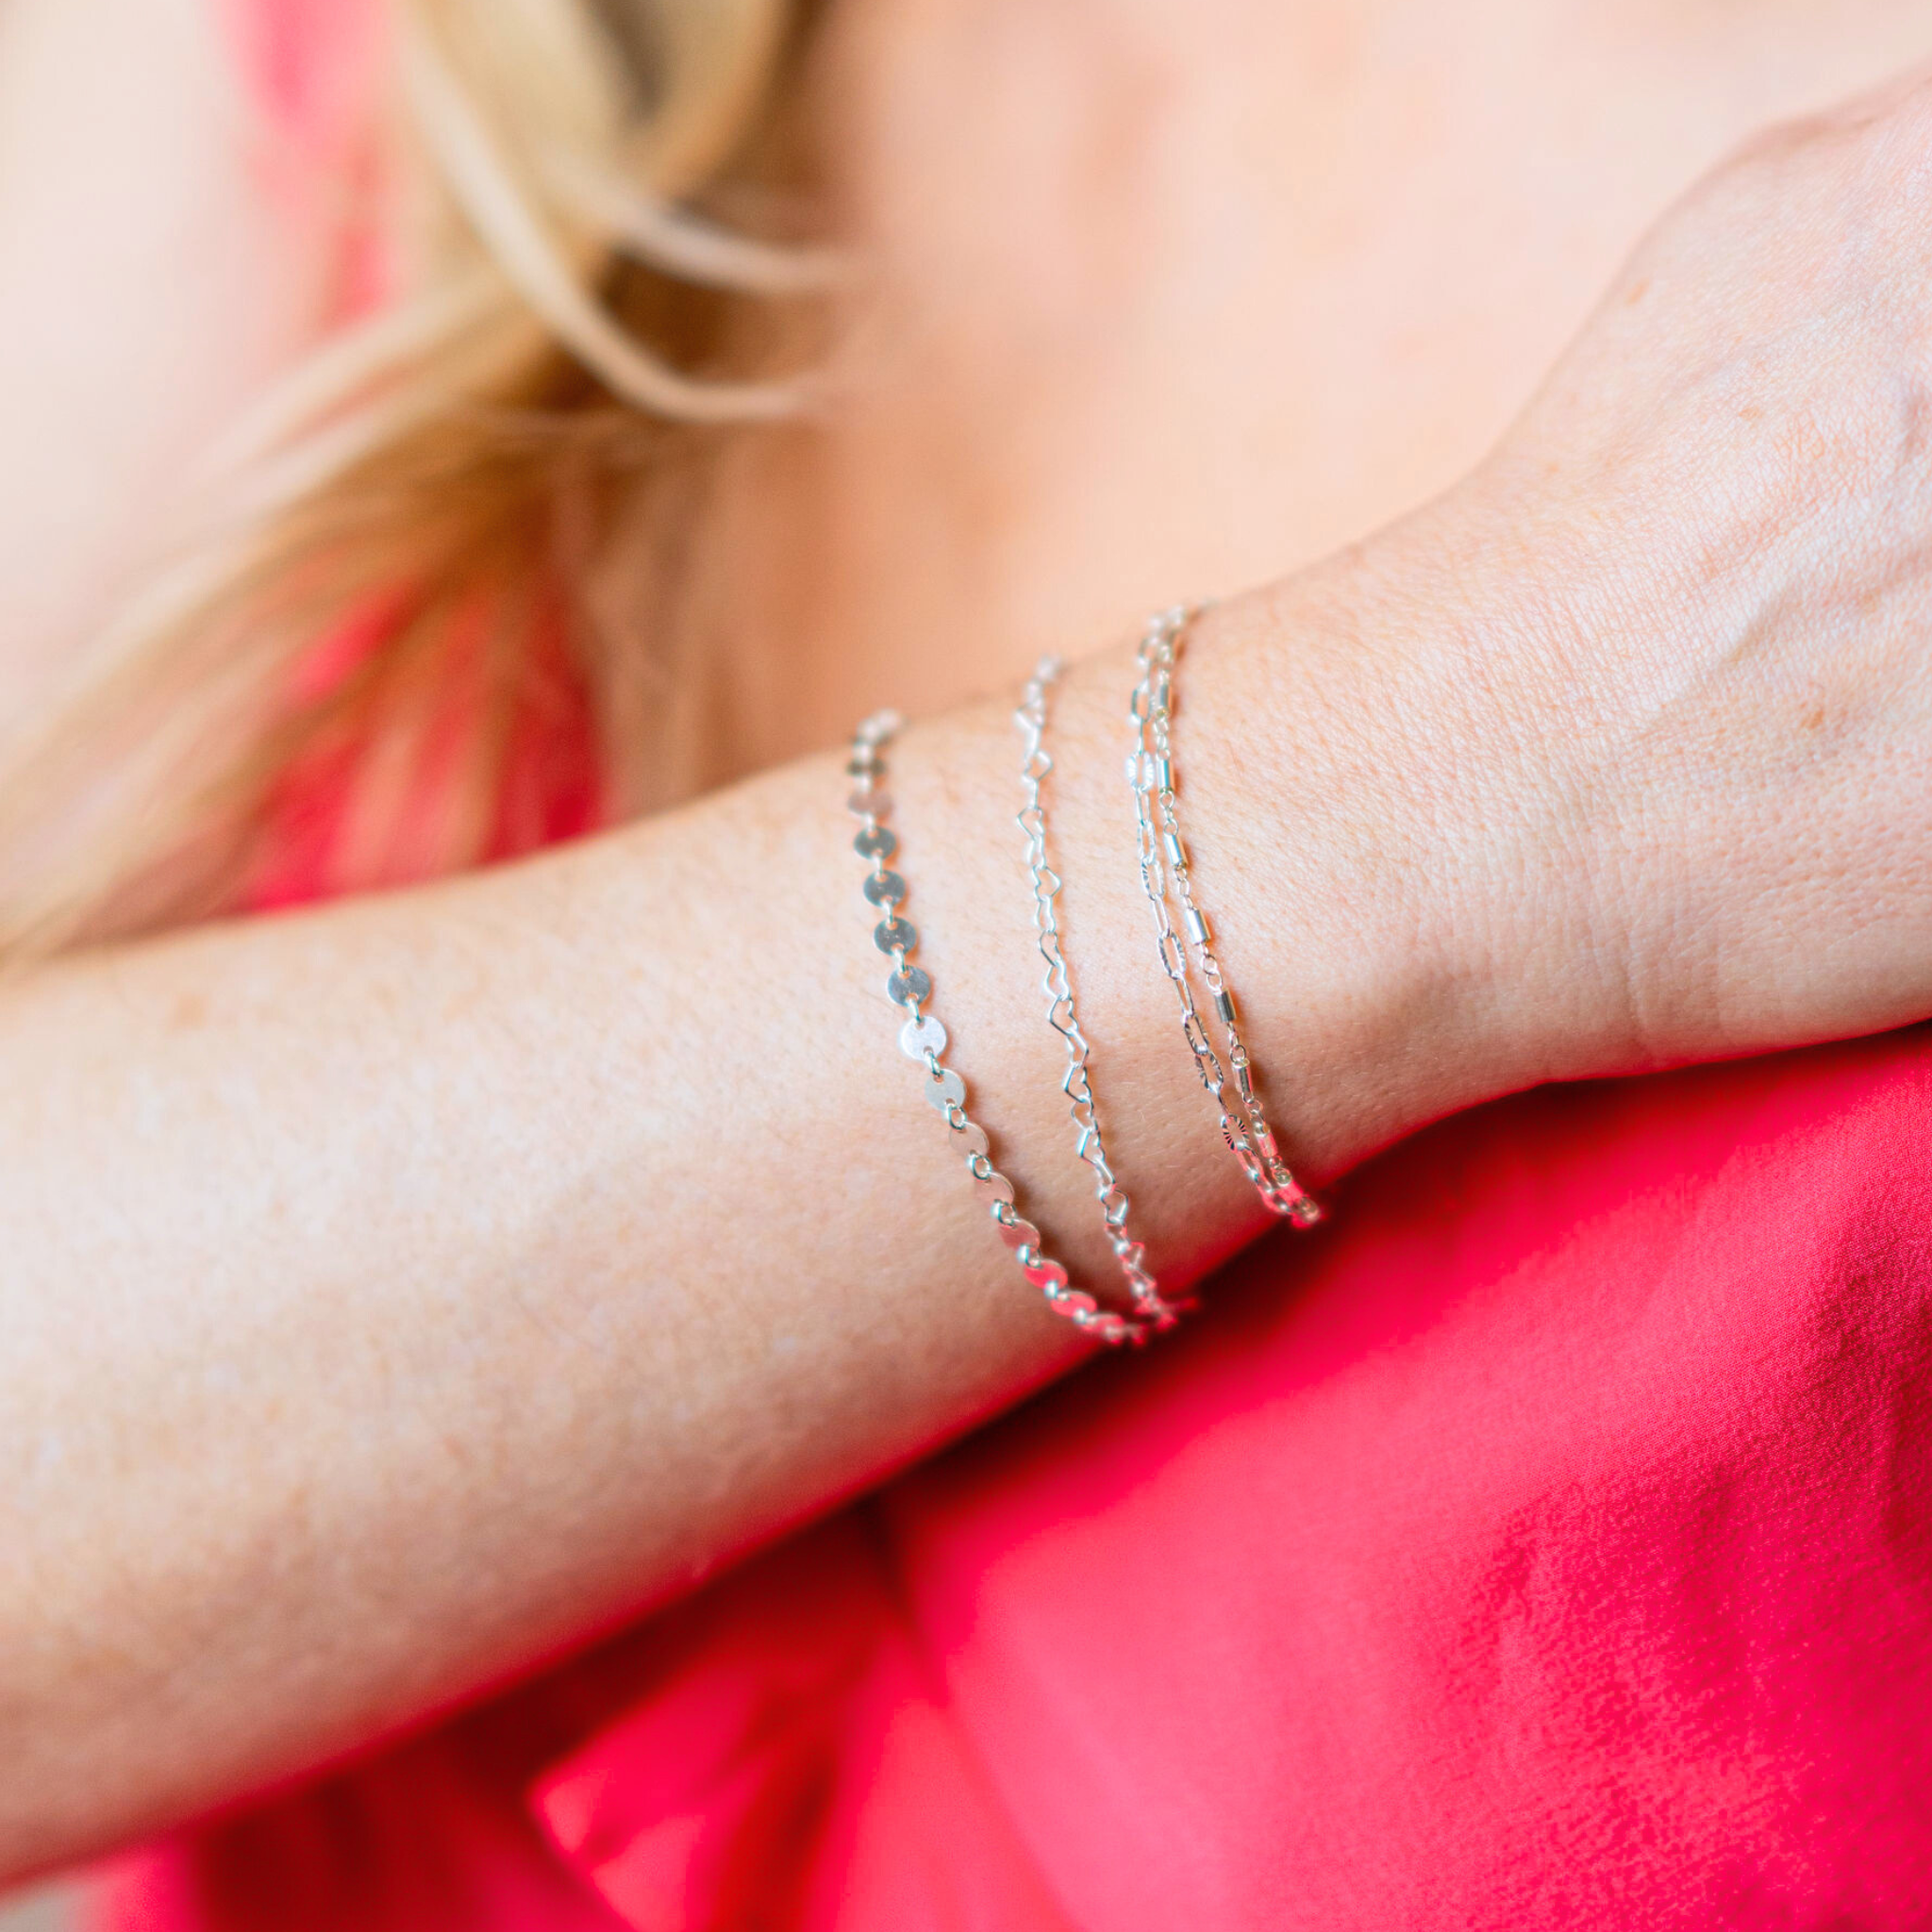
(385, 1307)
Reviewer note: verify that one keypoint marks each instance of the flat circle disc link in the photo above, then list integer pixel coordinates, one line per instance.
(919, 1037)
(947, 1092)
(910, 988)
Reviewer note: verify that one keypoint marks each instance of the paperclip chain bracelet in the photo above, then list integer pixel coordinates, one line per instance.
(922, 1036)
(1153, 1312)
(1165, 876)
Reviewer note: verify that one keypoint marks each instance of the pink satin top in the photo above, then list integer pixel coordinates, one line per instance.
(1546, 1543)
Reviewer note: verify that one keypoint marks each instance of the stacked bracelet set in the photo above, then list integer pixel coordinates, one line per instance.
(1226, 1071)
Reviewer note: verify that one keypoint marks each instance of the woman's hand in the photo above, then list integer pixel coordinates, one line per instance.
(1658, 707)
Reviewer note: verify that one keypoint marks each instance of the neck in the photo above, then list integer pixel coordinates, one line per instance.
(1172, 298)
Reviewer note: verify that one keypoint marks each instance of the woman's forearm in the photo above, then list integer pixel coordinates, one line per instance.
(397, 1291)
(394, 1293)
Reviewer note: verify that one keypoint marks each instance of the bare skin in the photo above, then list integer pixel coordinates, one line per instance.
(398, 1293)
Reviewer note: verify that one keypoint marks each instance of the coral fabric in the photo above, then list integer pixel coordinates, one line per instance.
(1547, 1544)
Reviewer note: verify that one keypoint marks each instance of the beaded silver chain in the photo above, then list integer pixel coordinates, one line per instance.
(1154, 1313)
(923, 1038)
(1166, 878)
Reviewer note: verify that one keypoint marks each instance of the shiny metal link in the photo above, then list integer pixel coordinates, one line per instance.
(924, 1039)
(1153, 1312)
(1167, 880)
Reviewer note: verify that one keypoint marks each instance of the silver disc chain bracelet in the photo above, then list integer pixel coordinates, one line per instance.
(923, 1038)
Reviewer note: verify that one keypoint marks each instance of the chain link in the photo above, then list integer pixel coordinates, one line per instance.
(1153, 1311)
(1167, 880)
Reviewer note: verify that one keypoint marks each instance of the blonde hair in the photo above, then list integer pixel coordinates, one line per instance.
(493, 458)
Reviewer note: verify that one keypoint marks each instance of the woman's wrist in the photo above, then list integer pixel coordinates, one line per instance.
(1371, 852)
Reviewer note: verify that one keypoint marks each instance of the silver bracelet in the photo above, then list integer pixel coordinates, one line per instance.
(1153, 1312)
(1164, 875)
(923, 1038)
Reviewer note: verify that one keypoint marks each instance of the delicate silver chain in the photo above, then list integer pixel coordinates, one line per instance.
(1165, 875)
(923, 1038)
(1154, 1311)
